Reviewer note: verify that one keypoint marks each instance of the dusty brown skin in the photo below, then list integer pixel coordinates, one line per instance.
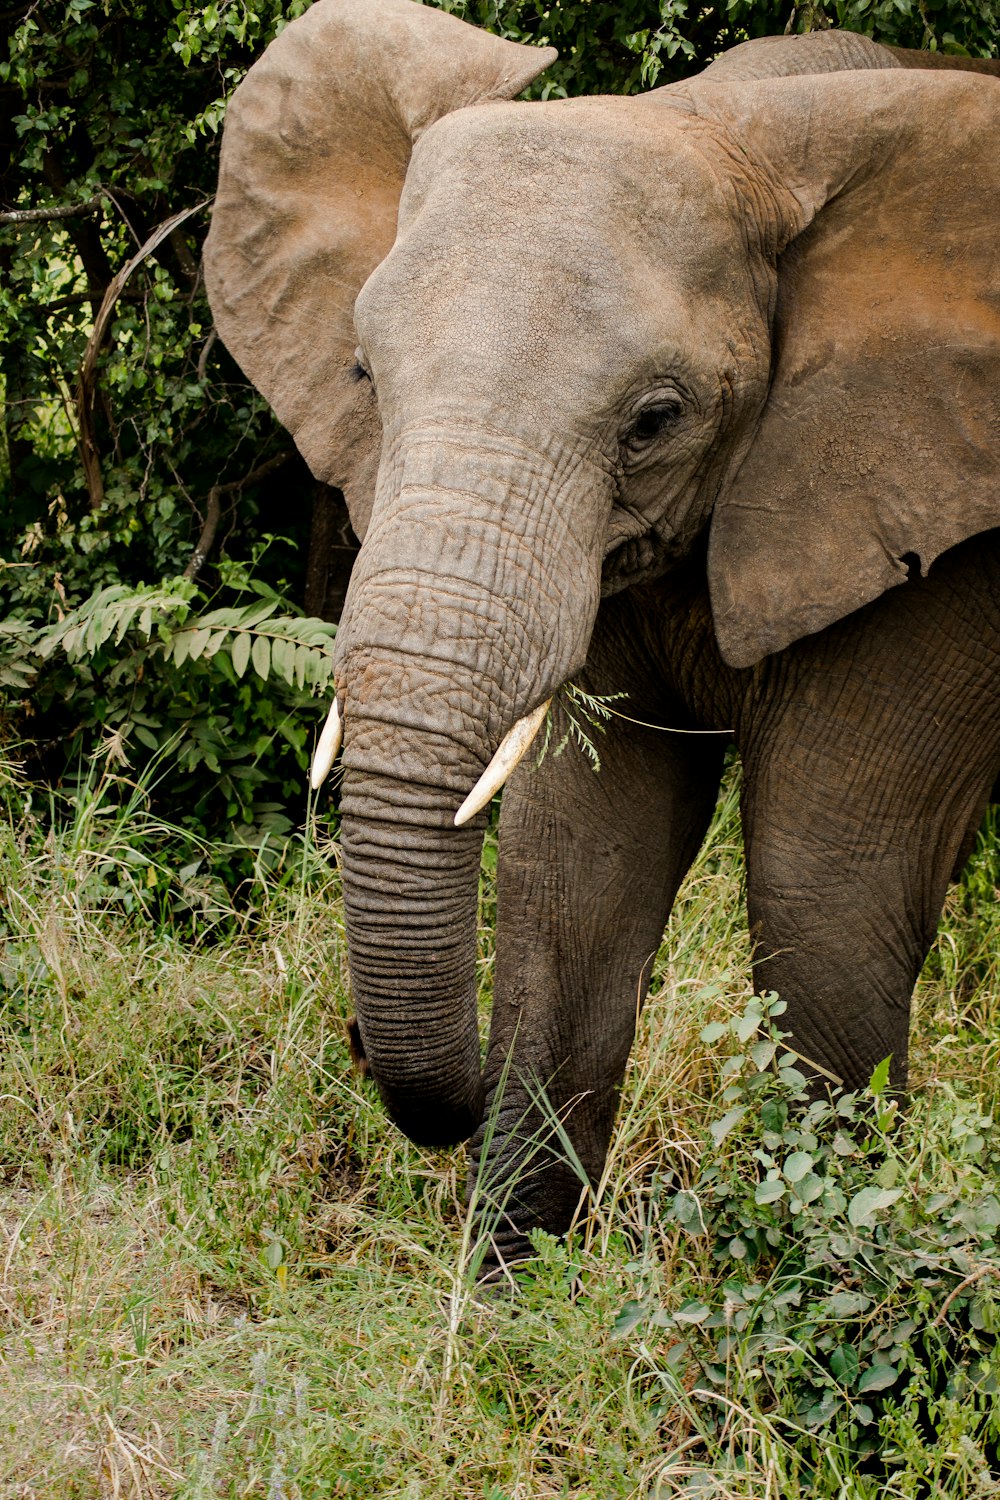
(729, 349)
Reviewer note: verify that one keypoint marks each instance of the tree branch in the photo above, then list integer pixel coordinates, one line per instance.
(87, 384)
(206, 350)
(213, 509)
(45, 215)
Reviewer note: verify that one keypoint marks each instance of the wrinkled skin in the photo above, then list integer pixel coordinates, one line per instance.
(669, 396)
(868, 752)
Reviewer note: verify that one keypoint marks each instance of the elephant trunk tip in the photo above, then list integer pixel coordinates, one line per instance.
(436, 1125)
(434, 1110)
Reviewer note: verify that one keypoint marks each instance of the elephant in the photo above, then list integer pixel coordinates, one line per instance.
(692, 396)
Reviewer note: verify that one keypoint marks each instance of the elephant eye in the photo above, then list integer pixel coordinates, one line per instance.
(359, 370)
(651, 423)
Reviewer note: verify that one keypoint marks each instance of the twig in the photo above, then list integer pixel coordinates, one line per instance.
(87, 384)
(213, 509)
(957, 1291)
(663, 728)
(44, 215)
(77, 299)
(206, 350)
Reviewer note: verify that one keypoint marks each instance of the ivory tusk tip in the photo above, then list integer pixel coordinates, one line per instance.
(465, 812)
(512, 749)
(326, 751)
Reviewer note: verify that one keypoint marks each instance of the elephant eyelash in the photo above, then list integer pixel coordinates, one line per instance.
(358, 372)
(651, 423)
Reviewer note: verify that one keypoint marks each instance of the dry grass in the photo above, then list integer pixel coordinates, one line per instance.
(222, 1274)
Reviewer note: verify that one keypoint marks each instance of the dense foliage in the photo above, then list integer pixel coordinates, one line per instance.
(861, 1302)
(134, 456)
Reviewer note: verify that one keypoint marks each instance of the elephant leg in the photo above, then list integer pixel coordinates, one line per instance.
(867, 766)
(589, 866)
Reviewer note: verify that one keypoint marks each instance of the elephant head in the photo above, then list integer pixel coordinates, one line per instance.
(541, 346)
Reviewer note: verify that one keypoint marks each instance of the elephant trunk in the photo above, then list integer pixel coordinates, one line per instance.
(454, 629)
(411, 885)
(410, 900)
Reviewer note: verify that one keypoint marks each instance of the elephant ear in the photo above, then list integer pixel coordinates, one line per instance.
(828, 52)
(877, 448)
(814, 52)
(316, 146)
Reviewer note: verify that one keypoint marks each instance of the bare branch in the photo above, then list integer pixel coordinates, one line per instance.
(45, 215)
(213, 514)
(77, 299)
(213, 509)
(206, 350)
(87, 385)
(974, 1276)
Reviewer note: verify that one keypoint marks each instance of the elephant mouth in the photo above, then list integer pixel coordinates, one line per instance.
(510, 752)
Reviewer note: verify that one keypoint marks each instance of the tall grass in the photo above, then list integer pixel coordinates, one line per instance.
(223, 1274)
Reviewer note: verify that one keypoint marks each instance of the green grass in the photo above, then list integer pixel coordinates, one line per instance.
(223, 1274)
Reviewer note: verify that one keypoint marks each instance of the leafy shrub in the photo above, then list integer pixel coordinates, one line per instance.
(154, 679)
(858, 1304)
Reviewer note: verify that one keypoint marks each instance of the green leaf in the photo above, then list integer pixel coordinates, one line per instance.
(747, 1026)
(797, 1165)
(692, 1311)
(770, 1190)
(877, 1378)
(820, 1414)
(179, 649)
(810, 1188)
(880, 1077)
(198, 640)
(283, 659)
(721, 1128)
(762, 1054)
(844, 1364)
(686, 1210)
(241, 653)
(865, 1205)
(261, 656)
(255, 614)
(847, 1304)
(713, 1032)
(631, 1315)
(888, 1173)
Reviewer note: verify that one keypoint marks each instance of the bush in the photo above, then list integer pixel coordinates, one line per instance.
(856, 1300)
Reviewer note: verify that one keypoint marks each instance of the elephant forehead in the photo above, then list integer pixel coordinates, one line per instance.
(545, 178)
(537, 236)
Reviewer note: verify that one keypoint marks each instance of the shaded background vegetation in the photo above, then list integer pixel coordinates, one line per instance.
(139, 472)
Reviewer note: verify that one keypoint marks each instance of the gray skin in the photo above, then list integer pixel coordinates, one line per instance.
(659, 395)
(869, 751)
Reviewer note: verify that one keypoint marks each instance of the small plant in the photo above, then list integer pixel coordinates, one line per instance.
(210, 705)
(858, 1295)
(584, 714)
(857, 1300)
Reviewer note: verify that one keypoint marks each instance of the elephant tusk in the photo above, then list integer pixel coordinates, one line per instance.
(326, 751)
(513, 748)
